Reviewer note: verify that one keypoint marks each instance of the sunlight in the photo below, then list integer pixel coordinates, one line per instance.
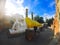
(9, 9)
(14, 7)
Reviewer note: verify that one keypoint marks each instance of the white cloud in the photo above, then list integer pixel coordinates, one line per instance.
(51, 4)
(30, 16)
(11, 8)
(20, 1)
(47, 16)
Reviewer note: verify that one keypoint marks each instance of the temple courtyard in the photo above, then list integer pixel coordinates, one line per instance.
(42, 39)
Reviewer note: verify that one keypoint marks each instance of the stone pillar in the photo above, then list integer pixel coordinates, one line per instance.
(26, 12)
(32, 15)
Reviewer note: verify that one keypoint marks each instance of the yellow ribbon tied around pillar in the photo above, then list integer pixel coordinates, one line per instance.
(31, 23)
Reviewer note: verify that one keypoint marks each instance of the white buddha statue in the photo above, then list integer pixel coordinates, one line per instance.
(19, 25)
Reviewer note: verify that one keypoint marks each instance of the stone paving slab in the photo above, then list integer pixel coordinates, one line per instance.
(53, 41)
(42, 39)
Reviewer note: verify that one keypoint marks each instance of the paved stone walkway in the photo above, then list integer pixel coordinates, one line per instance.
(42, 39)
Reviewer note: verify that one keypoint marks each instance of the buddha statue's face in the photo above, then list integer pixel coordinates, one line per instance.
(21, 19)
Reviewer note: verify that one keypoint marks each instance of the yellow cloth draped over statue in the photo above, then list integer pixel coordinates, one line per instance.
(31, 23)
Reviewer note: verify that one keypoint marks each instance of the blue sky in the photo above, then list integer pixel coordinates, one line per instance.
(44, 8)
(41, 6)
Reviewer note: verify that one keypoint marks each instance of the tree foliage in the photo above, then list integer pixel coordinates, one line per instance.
(39, 19)
(49, 21)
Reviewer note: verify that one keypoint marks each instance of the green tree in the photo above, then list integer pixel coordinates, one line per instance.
(39, 19)
(49, 21)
